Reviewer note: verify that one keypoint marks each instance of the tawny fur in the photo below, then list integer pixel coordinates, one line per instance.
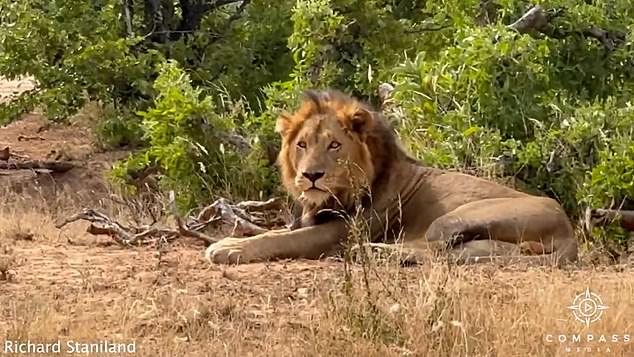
(339, 157)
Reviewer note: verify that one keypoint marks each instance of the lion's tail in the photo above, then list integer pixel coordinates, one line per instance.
(530, 260)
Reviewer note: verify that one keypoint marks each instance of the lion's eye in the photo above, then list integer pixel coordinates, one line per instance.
(334, 145)
(301, 144)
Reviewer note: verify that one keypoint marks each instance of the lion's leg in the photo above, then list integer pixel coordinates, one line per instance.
(516, 226)
(307, 242)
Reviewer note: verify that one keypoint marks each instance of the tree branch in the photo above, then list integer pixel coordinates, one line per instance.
(610, 40)
(236, 15)
(533, 19)
(128, 14)
(194, 11)
(219, 3)
(602, 217)
(538, 20)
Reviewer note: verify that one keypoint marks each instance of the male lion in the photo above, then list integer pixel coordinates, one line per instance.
(338, 156)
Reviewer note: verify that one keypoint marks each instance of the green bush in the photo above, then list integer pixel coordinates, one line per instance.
(497, 97)
(187, 142)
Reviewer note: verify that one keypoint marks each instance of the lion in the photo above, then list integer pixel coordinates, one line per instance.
(339, 159)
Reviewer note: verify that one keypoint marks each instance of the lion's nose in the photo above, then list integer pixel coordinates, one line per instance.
(313, 175)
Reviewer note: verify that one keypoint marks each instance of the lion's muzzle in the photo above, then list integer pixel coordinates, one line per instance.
(313, 176)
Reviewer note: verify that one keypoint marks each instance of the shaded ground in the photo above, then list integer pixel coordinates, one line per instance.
(69, 286)
(33, 138)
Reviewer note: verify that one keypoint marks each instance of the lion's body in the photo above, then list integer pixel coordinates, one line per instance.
(337, 155)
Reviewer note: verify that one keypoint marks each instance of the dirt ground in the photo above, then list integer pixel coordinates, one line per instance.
(66, 286)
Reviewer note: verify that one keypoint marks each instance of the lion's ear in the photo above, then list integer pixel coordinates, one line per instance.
(283, 124)
(362, 121)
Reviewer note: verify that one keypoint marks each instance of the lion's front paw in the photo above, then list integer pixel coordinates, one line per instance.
(233, 251)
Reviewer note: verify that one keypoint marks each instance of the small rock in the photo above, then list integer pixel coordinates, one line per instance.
(395, 309)
(302, 293)
(11, 276)
(5, 154)
(20, 235)
(181, 339)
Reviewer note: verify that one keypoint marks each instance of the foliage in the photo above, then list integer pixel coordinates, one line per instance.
(549, 111)
(555, 113)
(119, 128)
(74, 51)
(185, 135)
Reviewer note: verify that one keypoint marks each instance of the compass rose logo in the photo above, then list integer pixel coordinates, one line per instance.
(587, 307)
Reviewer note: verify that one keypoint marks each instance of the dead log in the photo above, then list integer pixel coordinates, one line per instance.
(54, 166)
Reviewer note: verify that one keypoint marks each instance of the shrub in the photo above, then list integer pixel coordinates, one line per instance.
(187, 142)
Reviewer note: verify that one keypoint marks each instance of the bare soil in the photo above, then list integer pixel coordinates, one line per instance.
(68, 286)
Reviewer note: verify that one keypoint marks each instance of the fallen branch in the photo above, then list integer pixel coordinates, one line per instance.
(186, 231)
(246, 218)
(54, 166)
(602, 217)
(124, 236)
(242, 221)
(261, 206)
(102, 224)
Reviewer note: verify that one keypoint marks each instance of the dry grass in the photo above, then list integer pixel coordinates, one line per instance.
(172, 303)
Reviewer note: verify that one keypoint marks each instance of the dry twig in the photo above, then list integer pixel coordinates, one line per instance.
(247, 218)
(187, 231)
(29, 138)
(125, 236)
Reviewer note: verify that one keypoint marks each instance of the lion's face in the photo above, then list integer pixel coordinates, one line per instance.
(328, 161)
(324, 155)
